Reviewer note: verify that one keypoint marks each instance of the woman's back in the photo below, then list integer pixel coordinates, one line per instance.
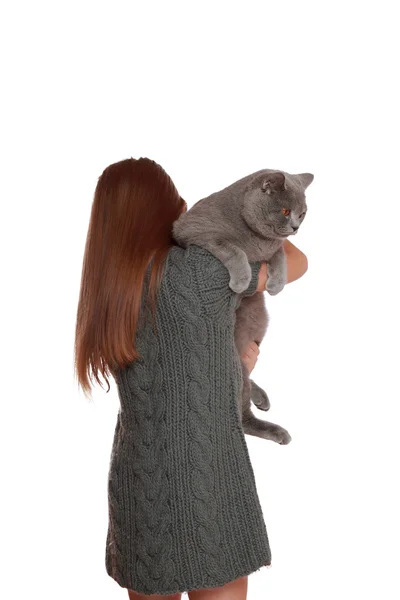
(183, 506)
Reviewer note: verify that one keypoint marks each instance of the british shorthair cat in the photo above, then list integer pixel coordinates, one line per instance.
(248, 221)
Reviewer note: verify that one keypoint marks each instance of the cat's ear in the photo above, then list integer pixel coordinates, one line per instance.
(305, 179)
(274, 182)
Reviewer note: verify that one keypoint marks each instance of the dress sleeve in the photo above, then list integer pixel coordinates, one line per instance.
(211, 279)
(255, 269)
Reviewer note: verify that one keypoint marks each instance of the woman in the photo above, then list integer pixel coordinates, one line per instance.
(184, 514)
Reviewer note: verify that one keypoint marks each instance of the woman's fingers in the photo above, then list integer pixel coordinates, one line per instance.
(255, 347)
(250, 355)
(252, 349)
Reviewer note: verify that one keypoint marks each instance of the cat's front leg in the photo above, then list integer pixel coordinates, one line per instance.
(277, 272)
(235, 260)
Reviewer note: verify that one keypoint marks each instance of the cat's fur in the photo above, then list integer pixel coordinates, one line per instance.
(239, 224)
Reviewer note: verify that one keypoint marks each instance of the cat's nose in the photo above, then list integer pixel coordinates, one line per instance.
(294, 228)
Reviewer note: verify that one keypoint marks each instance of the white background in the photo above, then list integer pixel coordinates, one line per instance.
(212, 91)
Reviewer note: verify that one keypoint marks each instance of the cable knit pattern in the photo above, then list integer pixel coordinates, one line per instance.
(197, 395)
(150, 467)
(184, 512)
(114, 557)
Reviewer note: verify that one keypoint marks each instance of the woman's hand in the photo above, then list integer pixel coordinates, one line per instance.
(296, 261)
(250, 356)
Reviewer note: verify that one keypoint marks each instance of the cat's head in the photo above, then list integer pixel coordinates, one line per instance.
(274, 202)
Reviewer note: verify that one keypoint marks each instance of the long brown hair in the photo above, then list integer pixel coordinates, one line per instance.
(135, 203)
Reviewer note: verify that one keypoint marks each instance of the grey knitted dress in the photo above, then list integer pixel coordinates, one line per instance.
(184, 512)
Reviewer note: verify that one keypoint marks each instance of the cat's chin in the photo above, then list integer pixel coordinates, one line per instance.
(283, 236)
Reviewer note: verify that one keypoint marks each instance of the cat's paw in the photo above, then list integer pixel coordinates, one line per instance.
(239, 282)
(259, 397)
(274, 286)
(280, 435)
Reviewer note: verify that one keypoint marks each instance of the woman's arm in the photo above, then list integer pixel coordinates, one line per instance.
(296, 261)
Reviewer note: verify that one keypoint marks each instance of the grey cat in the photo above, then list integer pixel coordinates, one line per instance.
(245, 222)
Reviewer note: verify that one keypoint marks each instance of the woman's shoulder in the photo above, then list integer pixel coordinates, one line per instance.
(196, 281)
(198, 261)
(196, 273)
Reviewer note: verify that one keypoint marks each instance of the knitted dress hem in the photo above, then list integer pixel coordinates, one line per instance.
(194, 586)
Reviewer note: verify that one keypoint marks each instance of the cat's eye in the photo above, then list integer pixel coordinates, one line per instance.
(286, 212)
